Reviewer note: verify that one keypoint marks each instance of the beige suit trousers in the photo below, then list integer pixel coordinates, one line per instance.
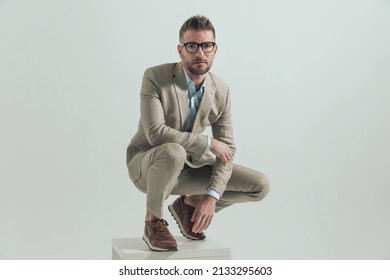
(164, 173)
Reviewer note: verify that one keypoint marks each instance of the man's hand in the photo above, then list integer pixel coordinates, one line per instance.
(221, 150)
(203, 214)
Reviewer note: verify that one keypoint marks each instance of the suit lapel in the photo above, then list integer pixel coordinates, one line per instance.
(180, 85)
(205, 104)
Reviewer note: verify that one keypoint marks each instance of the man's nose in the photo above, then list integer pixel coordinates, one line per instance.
(199, 51)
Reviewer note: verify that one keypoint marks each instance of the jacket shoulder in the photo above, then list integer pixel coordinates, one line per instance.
(220, 84)
(162, 68)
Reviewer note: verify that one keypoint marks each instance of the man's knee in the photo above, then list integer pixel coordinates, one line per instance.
(173, 154)
(262, 186)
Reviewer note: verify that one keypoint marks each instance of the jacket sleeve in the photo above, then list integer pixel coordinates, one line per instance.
(153, 120)
(223, 131)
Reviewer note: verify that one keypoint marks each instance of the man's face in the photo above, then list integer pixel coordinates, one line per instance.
(199, 62)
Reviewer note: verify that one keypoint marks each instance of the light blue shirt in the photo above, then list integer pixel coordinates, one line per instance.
(194, 99)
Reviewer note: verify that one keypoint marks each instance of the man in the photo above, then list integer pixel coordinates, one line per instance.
(170, 155)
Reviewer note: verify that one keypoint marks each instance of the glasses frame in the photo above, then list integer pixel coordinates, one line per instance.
(199, 45)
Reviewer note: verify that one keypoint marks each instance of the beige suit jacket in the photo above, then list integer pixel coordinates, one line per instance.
(164, 110)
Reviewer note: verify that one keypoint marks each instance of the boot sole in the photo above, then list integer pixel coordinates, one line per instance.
(157, 249)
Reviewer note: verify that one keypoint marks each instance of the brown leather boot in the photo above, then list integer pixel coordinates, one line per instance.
(182, 213)
(158, 237)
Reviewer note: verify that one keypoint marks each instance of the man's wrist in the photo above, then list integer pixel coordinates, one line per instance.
(208, 147)
(213, 193)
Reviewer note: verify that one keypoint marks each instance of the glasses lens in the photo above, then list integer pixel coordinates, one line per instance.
(208, 47)
(191, 47)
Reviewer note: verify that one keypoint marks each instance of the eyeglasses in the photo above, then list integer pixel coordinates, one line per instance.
(192, 47)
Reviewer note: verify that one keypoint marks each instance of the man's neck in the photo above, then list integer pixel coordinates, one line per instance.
(197, 79)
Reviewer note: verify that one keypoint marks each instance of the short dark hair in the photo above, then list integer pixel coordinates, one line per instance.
(197, 23)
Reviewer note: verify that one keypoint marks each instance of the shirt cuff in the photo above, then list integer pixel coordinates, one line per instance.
(208, 145)
(213, 193)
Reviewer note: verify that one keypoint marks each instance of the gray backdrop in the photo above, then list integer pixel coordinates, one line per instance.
(311, 76)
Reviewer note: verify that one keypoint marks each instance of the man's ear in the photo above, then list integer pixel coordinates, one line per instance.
(215, 49)
(179, 50)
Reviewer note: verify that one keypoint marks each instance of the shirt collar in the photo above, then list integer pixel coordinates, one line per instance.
(191, 84)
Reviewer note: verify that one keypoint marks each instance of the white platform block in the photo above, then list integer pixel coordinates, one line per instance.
(136, 249)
